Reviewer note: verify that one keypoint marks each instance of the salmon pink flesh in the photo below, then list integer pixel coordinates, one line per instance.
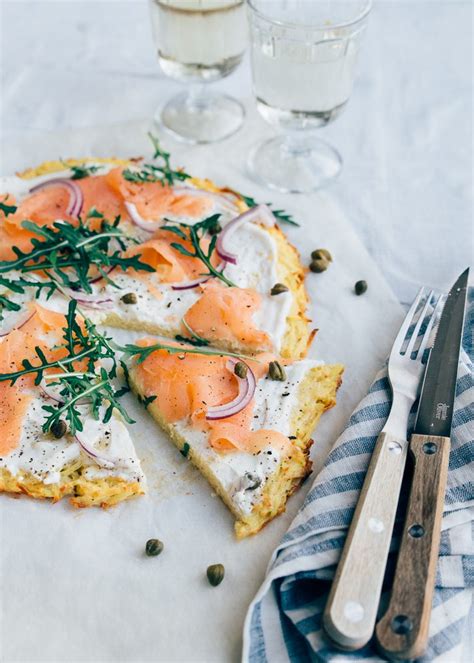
(76, 200)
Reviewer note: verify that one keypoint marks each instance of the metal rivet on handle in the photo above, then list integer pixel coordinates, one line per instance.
(376, 525)
(416, 531)
(353, 612)
(430, 448)
(401, 624)
(395, 447)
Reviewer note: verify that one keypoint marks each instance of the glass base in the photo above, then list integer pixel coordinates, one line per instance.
(296, 163)
(201, 116)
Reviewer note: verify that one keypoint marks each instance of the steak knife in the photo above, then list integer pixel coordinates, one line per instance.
(402, 633)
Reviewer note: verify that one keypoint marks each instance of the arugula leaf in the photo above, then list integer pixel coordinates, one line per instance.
(81, 171)
(8, 305)
(196, 233)
(18, 285)
(8, 209)
(279, 214)
(74, 253)
(140, 176)
(155, 172)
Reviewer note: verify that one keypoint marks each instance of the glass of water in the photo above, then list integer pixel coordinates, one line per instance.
(303, 56)
(199, 41)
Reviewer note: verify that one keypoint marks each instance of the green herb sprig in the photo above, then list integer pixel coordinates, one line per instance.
(279, 214)
(7, 209)
(70, 251)
(158, 172)
(18, 285)
(142, 352)
(81, 171)
(193, 338)
(76, 385)
(195, 234)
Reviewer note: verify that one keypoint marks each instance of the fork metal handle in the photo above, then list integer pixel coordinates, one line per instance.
(351, 610)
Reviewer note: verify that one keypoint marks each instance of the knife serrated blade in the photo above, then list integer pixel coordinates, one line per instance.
(435, 411)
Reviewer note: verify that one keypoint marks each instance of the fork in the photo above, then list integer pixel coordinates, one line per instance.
(351, 611)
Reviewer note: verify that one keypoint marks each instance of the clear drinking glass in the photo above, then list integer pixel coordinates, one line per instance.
(303, 57)
(199, 41)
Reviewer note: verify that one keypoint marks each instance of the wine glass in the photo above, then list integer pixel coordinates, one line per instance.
(199, 41)
(303, 57)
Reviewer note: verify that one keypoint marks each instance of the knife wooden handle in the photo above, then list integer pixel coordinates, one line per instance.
(402, 633)
(351, 610)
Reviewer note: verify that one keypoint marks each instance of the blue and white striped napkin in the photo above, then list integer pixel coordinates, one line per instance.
(284, 620)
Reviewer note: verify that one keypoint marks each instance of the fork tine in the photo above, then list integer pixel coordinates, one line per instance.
(416, 331)
(397, 345)
(426, 335)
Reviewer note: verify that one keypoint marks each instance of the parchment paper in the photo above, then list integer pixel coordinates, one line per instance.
(75, 585)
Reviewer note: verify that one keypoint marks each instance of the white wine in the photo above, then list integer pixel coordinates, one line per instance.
(311, 81)
(199, 40)
(303, 62)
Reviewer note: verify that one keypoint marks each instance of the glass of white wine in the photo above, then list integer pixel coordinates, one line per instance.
(199, 41)
(303, 57)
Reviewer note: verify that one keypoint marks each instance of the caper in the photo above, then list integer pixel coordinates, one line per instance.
(215, 574)
(278, 288)
(215, 229)
(241, 369)
(58, 428)
(252, 481)
(153, 547)
(276, 371)
(321, 253)
(129, 298)
(319, 265)
(360, 287)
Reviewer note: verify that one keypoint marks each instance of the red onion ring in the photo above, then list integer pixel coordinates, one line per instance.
(76, 199)
(107, 463)
(49, 392)
(260, 211)
(193, 284)
(89, 301)
(247, 388)
(19, 324)
(148, 226)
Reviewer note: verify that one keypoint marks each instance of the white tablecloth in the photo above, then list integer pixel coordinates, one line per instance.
(69, 65)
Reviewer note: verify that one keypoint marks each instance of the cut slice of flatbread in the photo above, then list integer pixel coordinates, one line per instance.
(97, 466)
(256, 458)
(246, 318)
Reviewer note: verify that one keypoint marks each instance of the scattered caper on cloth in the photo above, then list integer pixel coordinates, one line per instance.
(320, 259)
(153, 547)
(278, 288)
(321, 254)
(360, 287)
(215, 574)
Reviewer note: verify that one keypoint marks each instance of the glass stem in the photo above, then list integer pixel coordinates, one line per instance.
(197, 100)
(296, 145)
